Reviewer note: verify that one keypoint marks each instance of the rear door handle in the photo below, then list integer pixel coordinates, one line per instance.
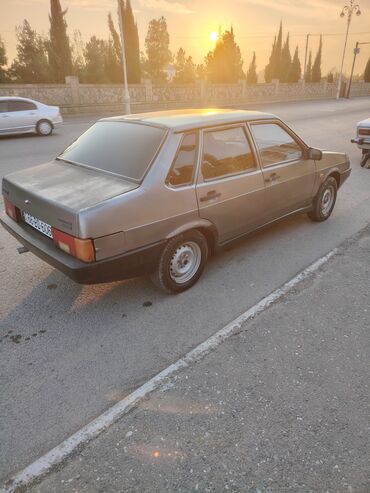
(212, 194)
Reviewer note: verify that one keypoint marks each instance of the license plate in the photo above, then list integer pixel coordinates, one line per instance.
(37, 224)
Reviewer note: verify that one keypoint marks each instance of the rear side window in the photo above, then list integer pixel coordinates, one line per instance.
(21, 106)
(226, 152)
(3, 106)
(123, 148)
(275, 144)
(182, 170)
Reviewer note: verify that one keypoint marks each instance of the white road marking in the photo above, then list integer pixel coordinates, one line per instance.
(60, 453)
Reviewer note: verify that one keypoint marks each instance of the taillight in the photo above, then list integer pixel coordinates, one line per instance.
(364, 131)
(81, 249)
(12, 210)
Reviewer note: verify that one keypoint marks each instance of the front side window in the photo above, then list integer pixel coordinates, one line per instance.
(123, 148)
(182, 170)
(21, 106)
(226, 152)
(275, 144)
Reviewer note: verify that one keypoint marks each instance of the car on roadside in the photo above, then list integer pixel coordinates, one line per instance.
(363, 140)
(159, 192)
(23, 115)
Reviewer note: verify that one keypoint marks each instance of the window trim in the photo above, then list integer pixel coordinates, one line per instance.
(220, 128)
(196, 159)
(288, 130)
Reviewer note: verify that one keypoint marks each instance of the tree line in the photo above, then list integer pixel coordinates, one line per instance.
(49, 59)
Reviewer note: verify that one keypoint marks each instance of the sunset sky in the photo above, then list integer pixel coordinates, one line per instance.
(190, 23)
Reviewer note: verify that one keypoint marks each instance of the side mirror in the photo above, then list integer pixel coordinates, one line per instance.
(314, 154)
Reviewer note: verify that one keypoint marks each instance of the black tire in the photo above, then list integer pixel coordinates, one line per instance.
(324, 201)
(365, 157)
(44, 128)
(174, 260)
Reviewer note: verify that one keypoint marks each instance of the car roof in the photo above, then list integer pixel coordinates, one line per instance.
(17, 98)
(182, 120)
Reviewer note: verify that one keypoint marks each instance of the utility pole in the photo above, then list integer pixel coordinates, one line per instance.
(348, 10)
(126, 93)
(356, 52)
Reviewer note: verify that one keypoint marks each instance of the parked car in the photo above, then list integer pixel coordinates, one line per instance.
(363, 140)
(22, 115)
(159, 192)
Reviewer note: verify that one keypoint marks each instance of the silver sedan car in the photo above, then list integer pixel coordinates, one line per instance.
(23, 115)
(160, 192)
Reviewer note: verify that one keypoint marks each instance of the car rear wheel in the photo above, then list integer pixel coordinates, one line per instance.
(44, 128)
(324, 201)
(181, 263)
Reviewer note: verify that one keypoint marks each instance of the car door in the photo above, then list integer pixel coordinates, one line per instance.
(4, 116)
(288, 175)
(23, 115)
(230, 186)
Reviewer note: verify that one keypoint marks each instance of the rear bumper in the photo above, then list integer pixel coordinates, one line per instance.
(362, 142)
(126, 266)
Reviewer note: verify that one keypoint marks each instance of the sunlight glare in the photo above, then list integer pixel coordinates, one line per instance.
(213, 36)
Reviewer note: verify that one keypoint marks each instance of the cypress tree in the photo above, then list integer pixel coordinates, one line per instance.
(273, 68)
(115, 37)
(276, 72)
(367, 72)
(3, 61)
(286, 62)
(308, 77)
(252, 71)
(132, 48)
(295, 68)
(60, 58)
(131, 35)
(316, 68)
(269, 66)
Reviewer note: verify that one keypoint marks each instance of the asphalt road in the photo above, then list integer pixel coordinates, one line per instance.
(68, 352)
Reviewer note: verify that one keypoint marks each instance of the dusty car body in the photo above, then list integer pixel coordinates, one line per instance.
(363, 140)
(159, 192)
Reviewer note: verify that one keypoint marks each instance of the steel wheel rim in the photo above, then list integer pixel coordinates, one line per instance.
(185, 262)
(327, 201)
(45, 128)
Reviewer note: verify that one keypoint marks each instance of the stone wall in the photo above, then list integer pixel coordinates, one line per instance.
(74, 97)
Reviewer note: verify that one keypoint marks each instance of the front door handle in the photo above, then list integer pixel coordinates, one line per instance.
(212, 194)
(272, 177)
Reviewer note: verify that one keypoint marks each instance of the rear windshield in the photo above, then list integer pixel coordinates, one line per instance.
(124, 148)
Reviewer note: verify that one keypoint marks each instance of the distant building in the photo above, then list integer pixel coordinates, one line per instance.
(170, 72)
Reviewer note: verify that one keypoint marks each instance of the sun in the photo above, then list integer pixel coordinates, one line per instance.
(213, 36)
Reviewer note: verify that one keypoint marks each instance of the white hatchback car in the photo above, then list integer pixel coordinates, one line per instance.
(22, 115)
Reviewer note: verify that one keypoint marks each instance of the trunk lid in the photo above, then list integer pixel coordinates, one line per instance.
(56, 192)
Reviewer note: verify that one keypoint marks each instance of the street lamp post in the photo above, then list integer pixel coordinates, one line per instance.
(348, 10)
(305, 57)
(126, 93)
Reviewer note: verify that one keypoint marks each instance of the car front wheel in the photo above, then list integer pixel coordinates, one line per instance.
(44, 128)
(324, 201)
(181, 263)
